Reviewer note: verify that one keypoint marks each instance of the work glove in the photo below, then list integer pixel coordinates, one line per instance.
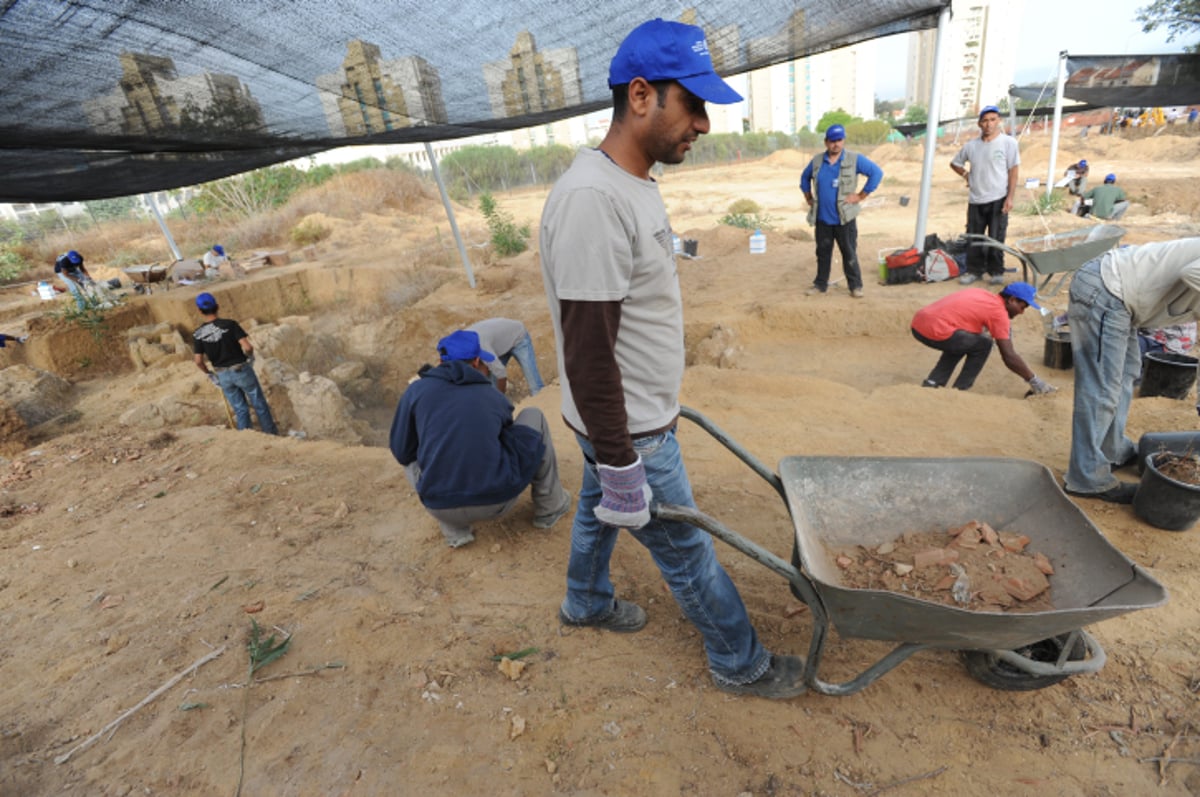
(1040, 386)
(625, 502)
(213, 378)
(24, 338)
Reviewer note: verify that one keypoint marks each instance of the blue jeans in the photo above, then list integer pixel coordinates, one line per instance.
(684, 554)
(75, 290)
(523, 351)
(242, 391)
(1107, 360)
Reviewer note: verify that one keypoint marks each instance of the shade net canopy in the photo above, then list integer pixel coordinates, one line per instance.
(116, 97)
(1124, 81)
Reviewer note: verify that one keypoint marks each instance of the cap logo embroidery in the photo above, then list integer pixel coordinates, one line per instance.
(700, 47)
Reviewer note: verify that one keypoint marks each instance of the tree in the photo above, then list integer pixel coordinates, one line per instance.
(915, 115)
(884, 108)
(1181, 18)
(837, 117)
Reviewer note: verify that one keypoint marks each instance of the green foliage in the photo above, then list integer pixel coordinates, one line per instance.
(264, 651)
(874, 131)
(102, 210)
(1181, 18)
(507, 237)
(309, 232)
(885, 108)
(1043, 204)
(835, 117)
(246, 194)
(748, 221)
(91, 316)
(12, 262)
(915, 115)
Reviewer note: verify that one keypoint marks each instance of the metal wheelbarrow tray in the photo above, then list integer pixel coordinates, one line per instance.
(847, 501)
(1061, 253)
(148, 274)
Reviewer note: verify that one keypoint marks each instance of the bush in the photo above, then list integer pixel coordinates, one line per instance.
(743, 207)
(309, 232)
(1043, 204)
(748, 221)
(507, 237)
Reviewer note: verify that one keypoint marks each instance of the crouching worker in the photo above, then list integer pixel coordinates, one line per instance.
(228, 349)
(954, 326)
(462, 451)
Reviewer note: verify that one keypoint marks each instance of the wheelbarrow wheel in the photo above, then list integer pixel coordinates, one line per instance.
(986, 668)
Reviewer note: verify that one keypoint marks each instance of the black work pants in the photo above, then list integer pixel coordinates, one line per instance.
(846, 237)
(975, 348)
(991, 220)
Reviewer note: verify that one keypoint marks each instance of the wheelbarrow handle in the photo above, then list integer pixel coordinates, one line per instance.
(768, 475)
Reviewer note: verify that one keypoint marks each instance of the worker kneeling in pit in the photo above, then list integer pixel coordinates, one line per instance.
(955, 324)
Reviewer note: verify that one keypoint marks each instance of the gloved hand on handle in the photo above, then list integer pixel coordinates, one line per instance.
(625, 502)
(1040, 386)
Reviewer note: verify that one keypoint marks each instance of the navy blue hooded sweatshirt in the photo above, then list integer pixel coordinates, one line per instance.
(460, 430)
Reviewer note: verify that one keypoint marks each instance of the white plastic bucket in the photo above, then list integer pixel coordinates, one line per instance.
(45, 291)
(758, 243)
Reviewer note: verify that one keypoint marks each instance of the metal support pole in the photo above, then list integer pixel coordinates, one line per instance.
(162, 224)
(1058, 103)
(462, 249)
(931, 126)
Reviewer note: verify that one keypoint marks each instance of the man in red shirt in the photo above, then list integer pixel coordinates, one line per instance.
(954, 326)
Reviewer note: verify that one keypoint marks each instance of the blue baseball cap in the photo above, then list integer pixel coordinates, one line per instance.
(662, 50)
(1023, 291)
(220, 250)
(989, 109)
(463, 345)
(206, 303)
(1110, 178)
(835, 133)
(74, 257)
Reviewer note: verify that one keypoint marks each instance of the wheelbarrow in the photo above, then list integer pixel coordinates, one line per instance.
(148, 274)
(1058, 254)
(847, 501)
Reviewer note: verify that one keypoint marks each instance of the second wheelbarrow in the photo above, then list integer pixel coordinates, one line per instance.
(847, 501)
(1058, 254)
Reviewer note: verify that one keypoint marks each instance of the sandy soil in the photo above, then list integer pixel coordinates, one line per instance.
(130, 553)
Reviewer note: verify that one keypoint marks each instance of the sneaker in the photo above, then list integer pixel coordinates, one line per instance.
(1122, 493)
(459, 540)
(929, 383)
(968, 278)
(625, 618)
(546, 521)
(996, 279)
(856, 293)
(814, 291)
(782, 680)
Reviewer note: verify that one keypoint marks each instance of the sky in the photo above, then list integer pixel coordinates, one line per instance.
(1081, 27)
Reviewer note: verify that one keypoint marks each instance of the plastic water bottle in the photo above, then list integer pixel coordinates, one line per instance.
(758, 243)
(45, 291)
(676, 244)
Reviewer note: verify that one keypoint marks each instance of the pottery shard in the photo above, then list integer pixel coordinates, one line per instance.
(511, 667)
(946, 583)
(844, 562)
(967, 538)
(934, 556)
(1042, 563)
(1014, 543)
(970, 526)
(988, 534)
(1027, 587)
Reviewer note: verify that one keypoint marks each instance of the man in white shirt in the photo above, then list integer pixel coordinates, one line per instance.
(995, 161)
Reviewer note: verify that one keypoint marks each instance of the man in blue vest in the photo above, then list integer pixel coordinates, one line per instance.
(834, 205)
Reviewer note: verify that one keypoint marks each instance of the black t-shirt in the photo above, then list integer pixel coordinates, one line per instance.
(219, 341)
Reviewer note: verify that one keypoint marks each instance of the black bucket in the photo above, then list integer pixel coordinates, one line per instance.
(1164, 502)
(1174, 442)
(690, 246)
(1058, 351)
(1167, 374)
